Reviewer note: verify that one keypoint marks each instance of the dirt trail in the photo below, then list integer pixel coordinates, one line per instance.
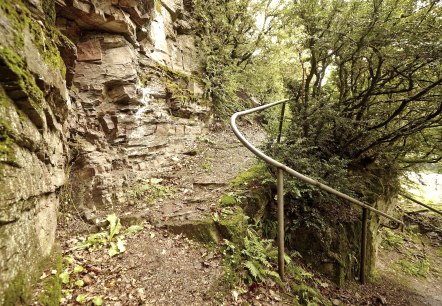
(201, 179)
(412, 261)
(158, 267)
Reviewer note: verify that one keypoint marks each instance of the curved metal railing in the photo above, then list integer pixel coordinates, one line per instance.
(281, 168)
(420, 203)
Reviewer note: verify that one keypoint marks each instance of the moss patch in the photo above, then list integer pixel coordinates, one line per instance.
(17, 290)
(26, 80)
(176, 82)
(49, 9)
(52, 294)
(7, 152)
(233, 226)
(257, 175)
(44, 38)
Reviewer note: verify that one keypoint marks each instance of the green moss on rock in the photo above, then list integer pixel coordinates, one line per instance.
(17, 290)
(44, 38)
(49, 9)
(233, 226)
(26, 80)
(7, 153)
(52, 285)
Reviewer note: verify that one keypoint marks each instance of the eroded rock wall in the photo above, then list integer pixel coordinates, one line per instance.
(95, 96)
(34, 106)
(135, 94)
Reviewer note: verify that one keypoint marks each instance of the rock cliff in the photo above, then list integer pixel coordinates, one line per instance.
(95, 95)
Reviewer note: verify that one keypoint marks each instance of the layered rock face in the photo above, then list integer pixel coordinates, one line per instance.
(135, 64)
(86, 114)
(34, 106)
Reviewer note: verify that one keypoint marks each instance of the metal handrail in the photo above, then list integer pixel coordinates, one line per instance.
(280, 195)
(420, 203)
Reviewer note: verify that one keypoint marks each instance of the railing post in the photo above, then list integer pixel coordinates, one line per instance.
(280, 199)
(281, 121)
(363, 245)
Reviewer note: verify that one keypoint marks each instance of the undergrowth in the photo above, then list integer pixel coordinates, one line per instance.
(254, 259)
(251, 261)
(413, 259)
(68, 276)
(149, 190)
(112, 237)
(257, 175)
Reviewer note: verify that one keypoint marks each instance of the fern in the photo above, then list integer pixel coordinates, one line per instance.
(252, 268)
(256, 260)
(258, 254)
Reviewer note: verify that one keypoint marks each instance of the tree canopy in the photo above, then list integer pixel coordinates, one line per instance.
(365, 78)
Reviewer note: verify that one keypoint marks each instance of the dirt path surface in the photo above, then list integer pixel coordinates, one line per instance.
(153, 264)
(157, 266)
(201, 179)
(412, 261)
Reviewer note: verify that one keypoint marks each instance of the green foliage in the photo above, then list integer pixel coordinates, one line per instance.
(70, 274)
(254, 261)
(392, 239)
(250, 262)
(258, 254)
(80, 299)
(93, 241)
(269, 228)
(150, 190)
(117, 247)
(64, 277)
(365, 81)
(70, 278)
(366, 97)
(207, 164)
(258, 174)
(233, 46)
(114, 225)
(97, 301)
(230, 199)
(113, 237)
(413, 259)
(415, 266)
(306, 295)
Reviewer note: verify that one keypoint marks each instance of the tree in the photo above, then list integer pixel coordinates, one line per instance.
(233, 35)
(367, 104)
